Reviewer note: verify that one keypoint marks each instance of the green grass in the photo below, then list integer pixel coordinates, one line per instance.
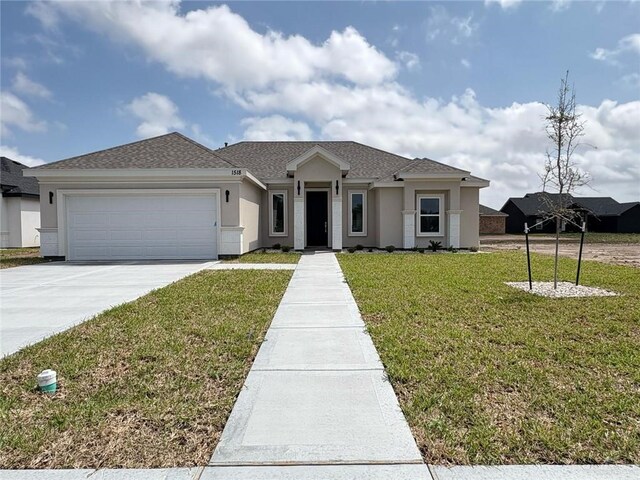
(267, 257)
(17, 257)
(487, 374)
(146, 384)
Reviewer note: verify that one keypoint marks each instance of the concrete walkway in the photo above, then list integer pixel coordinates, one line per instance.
(316, 403)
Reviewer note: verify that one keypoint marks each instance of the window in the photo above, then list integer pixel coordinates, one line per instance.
(358, 213)
(278, 213)
(430, 215)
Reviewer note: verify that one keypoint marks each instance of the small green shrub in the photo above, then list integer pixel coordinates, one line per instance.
(389, 248)
(285, 248)
(359, 247)
(351, 250)
(434, 246)
(420, 250)
(370, 250)
(473, 249)
(276, 246)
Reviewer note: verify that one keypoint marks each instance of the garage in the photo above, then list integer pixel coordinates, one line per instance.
(158, 225)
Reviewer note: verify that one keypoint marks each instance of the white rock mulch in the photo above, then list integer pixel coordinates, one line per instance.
(565, 289)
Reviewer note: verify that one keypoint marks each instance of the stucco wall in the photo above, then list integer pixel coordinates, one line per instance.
(389, 206)
(11, 223)
(269, 240)
(250, 198)
(30, 222)
(469, 218)
(370, 239)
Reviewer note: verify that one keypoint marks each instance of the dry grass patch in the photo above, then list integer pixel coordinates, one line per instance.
(487, 374)
(17, 257)
(146, 384)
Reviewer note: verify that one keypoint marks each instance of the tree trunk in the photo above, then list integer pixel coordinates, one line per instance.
(555, 265)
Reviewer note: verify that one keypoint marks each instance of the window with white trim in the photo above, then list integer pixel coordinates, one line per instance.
(430, 215)
(358, 213)
(278, 213)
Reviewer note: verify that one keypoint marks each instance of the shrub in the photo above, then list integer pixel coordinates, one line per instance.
(285, 248)
(414, 249)
(473, 249)
(434, 246)
(359, 247)
(389, 248)
(351, 250)
(276, 246)
(420, 250)
(370, 250)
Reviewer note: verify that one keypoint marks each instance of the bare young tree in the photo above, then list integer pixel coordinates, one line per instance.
(561, 174)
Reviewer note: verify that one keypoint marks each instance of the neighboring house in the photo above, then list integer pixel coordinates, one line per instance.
(169, 197)
(602, 214)
(492, 221)
(19, 206)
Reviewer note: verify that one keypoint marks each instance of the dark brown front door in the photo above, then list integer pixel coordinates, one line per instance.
(317, 219)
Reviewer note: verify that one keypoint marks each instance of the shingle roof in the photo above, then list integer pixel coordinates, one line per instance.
(12, 181)
(172, 150)
(490, 212)
(269, 159)
(535, 204)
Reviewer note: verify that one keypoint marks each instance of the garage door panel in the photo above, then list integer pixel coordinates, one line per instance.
(129, 227)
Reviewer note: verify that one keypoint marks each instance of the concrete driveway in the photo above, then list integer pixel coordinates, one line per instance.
(37, 301)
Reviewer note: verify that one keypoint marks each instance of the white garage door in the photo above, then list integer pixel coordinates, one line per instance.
(142, 227)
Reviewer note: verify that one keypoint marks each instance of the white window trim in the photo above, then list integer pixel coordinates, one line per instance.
(364, 213)
(285, 213)
(440, 232)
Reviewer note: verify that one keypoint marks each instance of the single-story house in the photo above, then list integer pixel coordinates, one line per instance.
(19, 206)
(601, 214)
(169, 197)
(492, 221)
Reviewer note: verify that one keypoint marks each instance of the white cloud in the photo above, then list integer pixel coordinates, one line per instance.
(275, 127)
(219, 45)
(505, 4)
(16, 113)
(628, 44)
(14, 154)
(45, 12)
(441, 24)
(277, 78)
(410, 60)
(465, 63)
(157, 112)
(560, 5)
(23, 84)
(631, 81)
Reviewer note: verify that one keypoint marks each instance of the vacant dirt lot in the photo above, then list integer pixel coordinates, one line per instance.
(617, 253)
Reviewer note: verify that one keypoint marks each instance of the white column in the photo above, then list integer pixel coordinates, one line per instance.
(336, 222)
(408, 229)
(454, 227)
(298, 221)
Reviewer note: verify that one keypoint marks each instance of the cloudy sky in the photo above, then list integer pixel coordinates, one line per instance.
(464, 83)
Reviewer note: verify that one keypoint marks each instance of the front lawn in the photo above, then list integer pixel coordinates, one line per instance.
(267, 257)
(17, 257)
(146, 384)
(487, 374)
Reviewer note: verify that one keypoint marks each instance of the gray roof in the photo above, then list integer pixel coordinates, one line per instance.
(490, 212)
(265, 160)
(269, 159)
(172, 150)
(13, 183)
(535, 204)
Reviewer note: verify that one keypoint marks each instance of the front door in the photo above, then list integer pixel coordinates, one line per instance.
(317, 219)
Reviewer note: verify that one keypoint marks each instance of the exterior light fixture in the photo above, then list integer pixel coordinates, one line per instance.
(337, 188)
(298, 187)
(50, 198)
(226, 194)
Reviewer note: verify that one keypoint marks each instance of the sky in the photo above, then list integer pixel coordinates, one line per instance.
(464, 83)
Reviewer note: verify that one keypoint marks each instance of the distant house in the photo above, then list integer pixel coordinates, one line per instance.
(602, 214)
(492, 221)
(19, 206)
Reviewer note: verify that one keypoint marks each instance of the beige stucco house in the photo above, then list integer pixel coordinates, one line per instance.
(169, 197)
(19, 206)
